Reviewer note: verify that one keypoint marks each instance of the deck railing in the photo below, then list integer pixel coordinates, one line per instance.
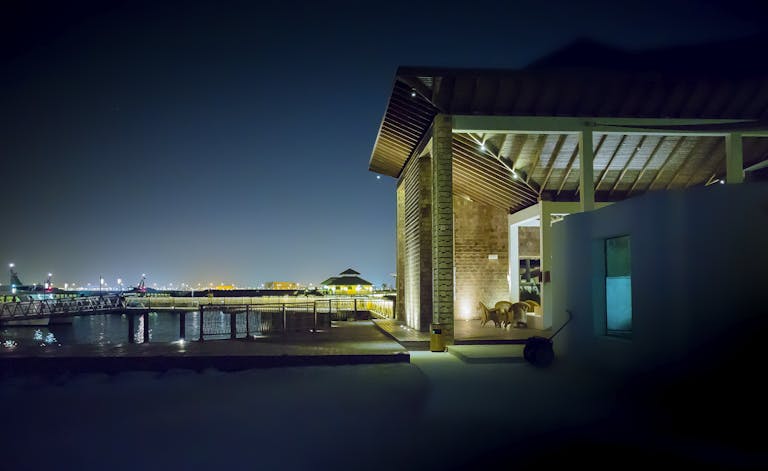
(333, 308)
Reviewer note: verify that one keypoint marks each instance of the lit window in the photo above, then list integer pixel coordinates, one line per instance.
(618, 287)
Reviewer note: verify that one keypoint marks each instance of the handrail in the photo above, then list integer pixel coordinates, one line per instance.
(44, 308)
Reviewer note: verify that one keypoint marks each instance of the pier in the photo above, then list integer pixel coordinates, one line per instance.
(248, 316)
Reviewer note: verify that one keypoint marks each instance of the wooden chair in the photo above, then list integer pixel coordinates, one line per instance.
(487, 314)
(503, 308)
(513, 313)
(533, 305)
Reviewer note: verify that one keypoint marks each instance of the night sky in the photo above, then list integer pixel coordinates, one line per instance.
(229, 142)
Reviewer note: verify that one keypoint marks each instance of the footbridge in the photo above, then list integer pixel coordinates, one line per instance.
(247, 314)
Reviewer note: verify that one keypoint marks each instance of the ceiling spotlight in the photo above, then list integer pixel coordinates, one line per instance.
(413, 93)
(722, 181)
(482, 147)
(378, 177)
(514, 175)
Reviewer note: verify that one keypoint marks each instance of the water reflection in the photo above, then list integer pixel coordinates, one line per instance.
(108, 329)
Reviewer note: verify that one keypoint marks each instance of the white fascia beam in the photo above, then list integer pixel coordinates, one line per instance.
(734, 158)
(565, 125)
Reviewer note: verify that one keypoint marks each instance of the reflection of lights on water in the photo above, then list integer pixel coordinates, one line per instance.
(38, 335)
(10, 344)
(50, 338)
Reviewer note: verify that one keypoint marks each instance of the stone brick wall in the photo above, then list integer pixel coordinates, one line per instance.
(442, 225)
(530, 242)
(479, 231)
(414, 252)
(400, 250)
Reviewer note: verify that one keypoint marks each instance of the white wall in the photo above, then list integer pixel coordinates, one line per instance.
(699, 273)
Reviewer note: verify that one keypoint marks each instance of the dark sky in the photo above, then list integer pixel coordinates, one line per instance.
(229, 141)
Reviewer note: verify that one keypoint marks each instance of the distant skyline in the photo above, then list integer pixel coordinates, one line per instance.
(204, 142)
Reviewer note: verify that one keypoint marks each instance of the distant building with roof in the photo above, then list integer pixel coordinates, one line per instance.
(281, 285)
(348, 282)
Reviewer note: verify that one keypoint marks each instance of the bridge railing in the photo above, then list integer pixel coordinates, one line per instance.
(41, 308)
(261, 318)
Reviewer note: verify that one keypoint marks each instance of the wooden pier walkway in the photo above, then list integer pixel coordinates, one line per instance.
(344, 343)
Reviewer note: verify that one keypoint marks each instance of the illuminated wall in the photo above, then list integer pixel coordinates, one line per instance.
(281, 285)
(351, 289)
(481, 256)
(414, 249)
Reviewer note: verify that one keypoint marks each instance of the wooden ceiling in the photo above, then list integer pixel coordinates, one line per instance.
(546, 165)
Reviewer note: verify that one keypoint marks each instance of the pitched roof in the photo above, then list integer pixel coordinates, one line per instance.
(349, 271)
(605, 83)
(346, 281)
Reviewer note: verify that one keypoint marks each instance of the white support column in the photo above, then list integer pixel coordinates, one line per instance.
(587, 173)
(514, 263)
(546, 262)
(734, 158)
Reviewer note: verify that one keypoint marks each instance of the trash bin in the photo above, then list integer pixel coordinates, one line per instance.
(436, 340)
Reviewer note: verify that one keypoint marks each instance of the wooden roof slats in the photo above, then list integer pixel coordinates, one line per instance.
(650, 158)
(538, 146)
(683, 170)
(607, 165)
(703, 165)
(551, 161)
(508, 91)
(483, 185)
(551, 142)
(598, 150)
(486, 91)
(490, 169)
(636, 147)
(755, 150)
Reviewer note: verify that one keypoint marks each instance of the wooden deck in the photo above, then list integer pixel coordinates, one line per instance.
(344, 343)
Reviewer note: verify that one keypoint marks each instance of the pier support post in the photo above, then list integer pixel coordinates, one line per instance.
(314, 315)
(183, 325)
(202, 318)
(233, 325)
(355, 309)
(145, 316)
(285, 321)
(131, 327)
(247, 321)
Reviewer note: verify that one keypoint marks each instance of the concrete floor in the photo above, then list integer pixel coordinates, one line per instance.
(437, 412)
(465, 331)
(468, 330)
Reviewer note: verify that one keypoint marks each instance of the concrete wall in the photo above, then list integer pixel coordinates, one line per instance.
(699, 274)
(479, 231)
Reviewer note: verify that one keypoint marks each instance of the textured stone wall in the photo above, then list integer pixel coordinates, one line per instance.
(442, 225)
(400, 251)
(530, 242)
(479, 231)
(414, 255)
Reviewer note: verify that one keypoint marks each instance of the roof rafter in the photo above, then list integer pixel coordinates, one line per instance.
(666, 161)
(626, 165)
(552, 159)
(608, 165)
(645, 165)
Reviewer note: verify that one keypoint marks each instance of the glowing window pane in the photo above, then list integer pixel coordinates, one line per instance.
(618, 287)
